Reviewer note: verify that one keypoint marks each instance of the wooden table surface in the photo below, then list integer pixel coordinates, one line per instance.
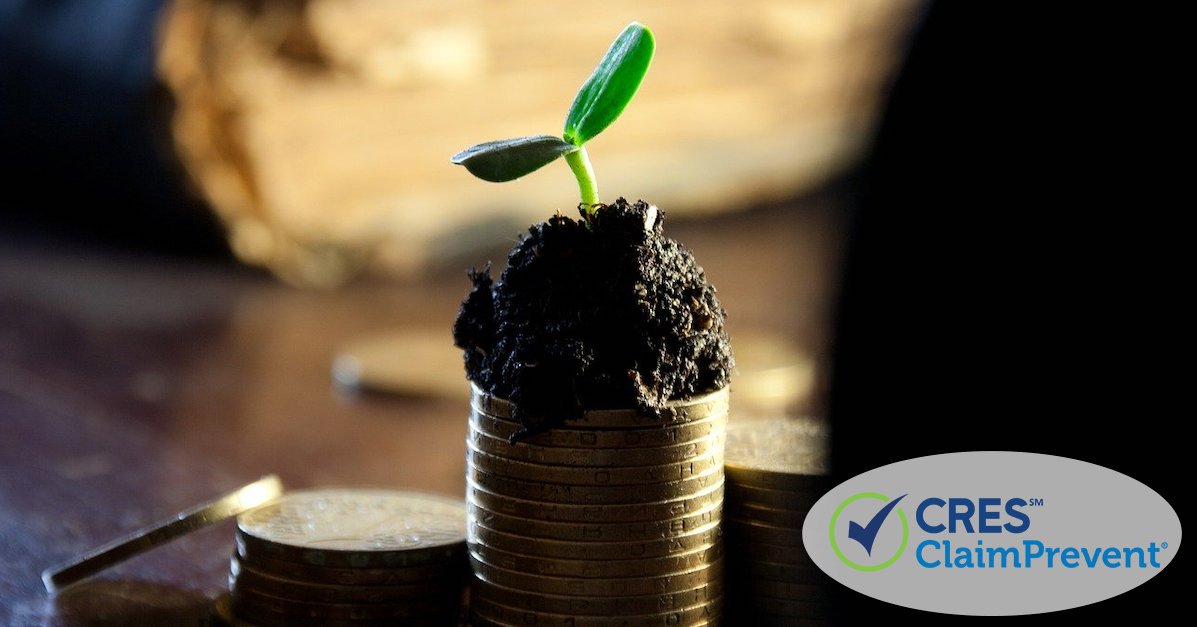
(134, 387)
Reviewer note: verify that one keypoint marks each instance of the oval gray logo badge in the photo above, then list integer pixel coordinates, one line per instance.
(991, 533)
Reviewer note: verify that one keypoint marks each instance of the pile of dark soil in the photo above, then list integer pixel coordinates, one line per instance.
(594, 314)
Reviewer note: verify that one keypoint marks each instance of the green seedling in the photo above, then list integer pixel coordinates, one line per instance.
(599, 102)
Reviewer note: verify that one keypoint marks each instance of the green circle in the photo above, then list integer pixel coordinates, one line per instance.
(836, 547)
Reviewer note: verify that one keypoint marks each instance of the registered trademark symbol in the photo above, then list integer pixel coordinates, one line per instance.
(1163, 545)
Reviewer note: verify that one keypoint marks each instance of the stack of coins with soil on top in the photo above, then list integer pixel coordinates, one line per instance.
(600, 363)
(776, 470)
(339, 558)
(611, 519)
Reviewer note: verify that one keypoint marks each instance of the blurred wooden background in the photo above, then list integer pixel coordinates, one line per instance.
(320, 130)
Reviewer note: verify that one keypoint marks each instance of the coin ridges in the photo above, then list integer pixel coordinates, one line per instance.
(595, 476)
(598, 569)
(564, 512)
(598, 532)
(613, 519)
(503, 614)
(699, 539)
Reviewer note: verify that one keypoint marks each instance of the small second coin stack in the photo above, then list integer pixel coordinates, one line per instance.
(776, 470)
(613, 519)
(360, 558)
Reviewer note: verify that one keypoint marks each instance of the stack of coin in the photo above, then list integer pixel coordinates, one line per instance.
(611, 520)
(776, 470)
(350, 558)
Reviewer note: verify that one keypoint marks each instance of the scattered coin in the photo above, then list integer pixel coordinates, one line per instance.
(243, 577)
(411, 362)
(453, 570)
(355, 529)
(427, 607)
(248, 497)
(350, 557)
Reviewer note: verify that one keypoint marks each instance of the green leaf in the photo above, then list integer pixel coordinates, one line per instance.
(509, 159)
(610, 88)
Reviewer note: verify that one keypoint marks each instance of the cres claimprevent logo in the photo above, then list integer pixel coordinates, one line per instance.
(991, 533)
(868, 531)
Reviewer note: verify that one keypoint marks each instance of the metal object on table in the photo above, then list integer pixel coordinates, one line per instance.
(410, 362)
(612, 519)
(349, 556)
(776, 469)
(245, 498)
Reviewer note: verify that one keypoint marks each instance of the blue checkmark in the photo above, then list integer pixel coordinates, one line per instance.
(867, 534)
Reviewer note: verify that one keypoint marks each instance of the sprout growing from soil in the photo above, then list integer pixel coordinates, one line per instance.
(599, 102)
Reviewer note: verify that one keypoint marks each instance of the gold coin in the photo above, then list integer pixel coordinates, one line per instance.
(627, 586)
(596, 532)
(753, 512)
(440, 571)
(765, 480)
(633, 476)
(354, 529)
(618, 439)
(596, 457)
(242, 577)
(503, 614)
(256, 616)
(783, 454)
(795, 501)
(550, 511)
(479, 621)
(593, 495)
(598, 606)
(412, 362)
(767, 534)
(674, 413)
(702, 538)
(598, 569)
(252, 604)
(243, 499)
(758, 551)
(753, 570)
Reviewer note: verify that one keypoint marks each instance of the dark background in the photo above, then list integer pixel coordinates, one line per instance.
(1014, 274)
(83, 141)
